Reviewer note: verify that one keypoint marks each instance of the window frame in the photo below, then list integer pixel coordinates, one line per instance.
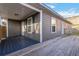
(52, 18)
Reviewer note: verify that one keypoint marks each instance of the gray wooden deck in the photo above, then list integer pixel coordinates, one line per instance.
(67, 46)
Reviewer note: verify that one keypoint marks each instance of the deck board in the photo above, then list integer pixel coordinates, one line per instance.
(13, 44)
(67, 46)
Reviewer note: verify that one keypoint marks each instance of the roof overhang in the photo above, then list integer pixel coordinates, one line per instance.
(56, 14)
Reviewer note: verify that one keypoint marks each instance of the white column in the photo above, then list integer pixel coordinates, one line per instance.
(41, 38)
(62, 24)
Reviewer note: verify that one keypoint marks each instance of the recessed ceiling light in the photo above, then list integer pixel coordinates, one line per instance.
(16, 14)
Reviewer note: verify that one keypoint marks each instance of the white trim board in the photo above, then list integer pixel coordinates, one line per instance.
(41, 36)
(29, 6)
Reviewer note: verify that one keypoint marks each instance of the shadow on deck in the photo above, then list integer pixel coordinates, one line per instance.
(13, 44)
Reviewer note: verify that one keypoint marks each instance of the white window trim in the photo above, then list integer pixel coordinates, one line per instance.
(51, 25)
(30, 25)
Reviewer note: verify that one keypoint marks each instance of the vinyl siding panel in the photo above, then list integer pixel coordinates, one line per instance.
(67, 28)
(47, 34)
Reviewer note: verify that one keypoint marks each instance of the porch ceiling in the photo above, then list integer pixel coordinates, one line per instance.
(14, 11)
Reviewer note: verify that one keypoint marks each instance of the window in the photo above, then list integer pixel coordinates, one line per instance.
(30, 25)
(53, 24)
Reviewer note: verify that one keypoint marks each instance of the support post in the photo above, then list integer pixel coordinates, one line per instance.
(41, 38)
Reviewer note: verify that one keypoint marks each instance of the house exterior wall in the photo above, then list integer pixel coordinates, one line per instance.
(14, 28)
(34, 35)
(46, 27)
(67, 28)
(46, 23)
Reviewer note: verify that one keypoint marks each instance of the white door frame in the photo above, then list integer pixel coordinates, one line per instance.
(40, 11)
(62, 24)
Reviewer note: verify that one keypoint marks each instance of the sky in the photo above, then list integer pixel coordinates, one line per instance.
(65, 9)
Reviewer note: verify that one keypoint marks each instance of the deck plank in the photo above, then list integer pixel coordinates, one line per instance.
(13, 44)
(67, 46)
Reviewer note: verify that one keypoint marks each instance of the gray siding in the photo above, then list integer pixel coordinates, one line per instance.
(14, 28)
(47, 27)
(35, 36)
